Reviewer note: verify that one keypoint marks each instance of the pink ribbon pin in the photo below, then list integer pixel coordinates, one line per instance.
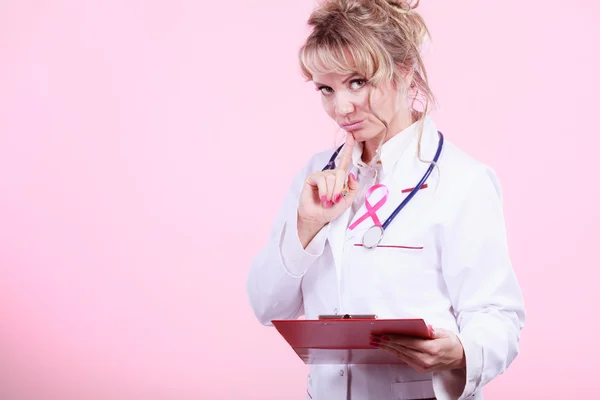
(371, 210)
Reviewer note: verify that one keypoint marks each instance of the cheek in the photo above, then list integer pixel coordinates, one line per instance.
(383, 105)
(328, 107)
(361, 101)
(378, 100)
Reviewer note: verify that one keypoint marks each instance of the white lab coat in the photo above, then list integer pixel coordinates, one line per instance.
(456, 273)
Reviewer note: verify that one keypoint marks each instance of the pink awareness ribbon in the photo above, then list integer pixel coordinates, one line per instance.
(371, 210)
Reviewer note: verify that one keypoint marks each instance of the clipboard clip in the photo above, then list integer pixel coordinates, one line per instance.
(349, 316)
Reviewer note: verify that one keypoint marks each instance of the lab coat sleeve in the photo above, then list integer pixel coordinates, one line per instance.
(275, 275)
(482, 285)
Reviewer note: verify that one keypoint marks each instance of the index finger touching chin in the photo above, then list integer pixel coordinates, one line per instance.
(346, 156)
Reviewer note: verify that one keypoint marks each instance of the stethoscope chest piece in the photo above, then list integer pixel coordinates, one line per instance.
(374, 234)
(372, 237)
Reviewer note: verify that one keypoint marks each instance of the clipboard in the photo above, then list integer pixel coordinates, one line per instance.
(345, 339)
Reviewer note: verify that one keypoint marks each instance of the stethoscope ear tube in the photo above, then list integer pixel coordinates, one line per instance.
(331, 163)
(419, 185)
(374, 234)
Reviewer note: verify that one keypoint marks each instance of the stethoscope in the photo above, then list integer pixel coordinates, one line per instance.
(374, 234)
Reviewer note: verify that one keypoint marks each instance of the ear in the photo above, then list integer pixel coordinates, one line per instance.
(405, 77)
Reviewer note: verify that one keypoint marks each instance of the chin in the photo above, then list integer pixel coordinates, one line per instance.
(362, 135)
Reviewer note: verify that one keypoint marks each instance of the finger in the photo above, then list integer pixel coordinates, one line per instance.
(411, 361)
(346, 155)
(350, 190)
(439, 333)
(340, 182)
(330, 179)
(352, 183)
(407, 341)
(403, 351)
(416, 354)
(318, 181)
(418, 361)
(421, 361)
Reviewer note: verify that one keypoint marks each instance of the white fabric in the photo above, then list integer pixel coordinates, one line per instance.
(461, 279)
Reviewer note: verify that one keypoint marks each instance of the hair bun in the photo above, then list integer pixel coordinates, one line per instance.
(404, 6)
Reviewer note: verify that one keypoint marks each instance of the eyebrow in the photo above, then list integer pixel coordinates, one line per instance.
(343, 82)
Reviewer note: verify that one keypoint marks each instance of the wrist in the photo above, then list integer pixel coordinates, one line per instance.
(307, 230)
(461, 363)
(461, 359)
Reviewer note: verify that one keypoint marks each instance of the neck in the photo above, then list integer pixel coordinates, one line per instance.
(398, 124)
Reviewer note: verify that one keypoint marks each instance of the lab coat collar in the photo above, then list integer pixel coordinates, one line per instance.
(403, 149)
(412, 170)
(392, 150)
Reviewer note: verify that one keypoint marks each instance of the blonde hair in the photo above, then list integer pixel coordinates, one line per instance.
(378, 39)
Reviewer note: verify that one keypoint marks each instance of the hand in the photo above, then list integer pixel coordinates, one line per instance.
(443, 352)
(322, 198)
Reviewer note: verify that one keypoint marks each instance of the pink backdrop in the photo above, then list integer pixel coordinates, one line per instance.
(138, 180)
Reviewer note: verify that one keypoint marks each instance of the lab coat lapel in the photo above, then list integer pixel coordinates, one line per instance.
(406, 174)
(337, 236)
(400, 177)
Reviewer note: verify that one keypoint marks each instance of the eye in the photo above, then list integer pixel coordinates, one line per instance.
(325, 90)
(356, 84)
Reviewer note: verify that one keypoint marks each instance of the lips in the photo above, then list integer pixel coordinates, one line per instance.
(352, 124)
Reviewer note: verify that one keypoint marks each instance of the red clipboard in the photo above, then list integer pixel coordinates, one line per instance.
(346, 340)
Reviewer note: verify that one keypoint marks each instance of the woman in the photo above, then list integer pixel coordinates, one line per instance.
(443, 257)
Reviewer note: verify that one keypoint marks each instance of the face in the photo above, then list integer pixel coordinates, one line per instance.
(345, 98)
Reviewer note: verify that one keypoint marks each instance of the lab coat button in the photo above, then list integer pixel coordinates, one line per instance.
(335, 311)
(341, 372)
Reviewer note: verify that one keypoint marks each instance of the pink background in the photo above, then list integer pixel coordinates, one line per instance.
(138, 179)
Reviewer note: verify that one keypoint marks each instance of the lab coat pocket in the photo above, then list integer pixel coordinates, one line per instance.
(402, 259)
(399, 246)
(308, 388)
(382, 269)
(412, 390)
(396, 238)
(394, 248)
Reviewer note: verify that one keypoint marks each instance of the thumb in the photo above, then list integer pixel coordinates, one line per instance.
(352, 183)
(439, 333)
(352, 188)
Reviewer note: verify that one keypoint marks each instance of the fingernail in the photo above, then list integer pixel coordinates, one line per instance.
(329, 203)
(385, 338)
(337, 198)
(374, 344)
(375, 340)
(352, 176)
(323, 199)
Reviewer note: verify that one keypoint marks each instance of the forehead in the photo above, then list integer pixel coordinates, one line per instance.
(322, 60)
(332, 78)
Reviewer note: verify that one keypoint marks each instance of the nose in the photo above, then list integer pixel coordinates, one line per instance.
(343, 105)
